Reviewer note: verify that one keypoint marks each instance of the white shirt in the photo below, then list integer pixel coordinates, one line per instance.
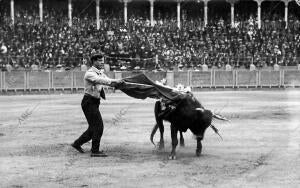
(94, 81)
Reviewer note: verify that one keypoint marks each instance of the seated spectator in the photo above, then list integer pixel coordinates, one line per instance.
(204, 67)
(228, 67)
(83, 67)
(60, 68)
(8, 67)
(3, 48)
(252, 67)
(276, 67)
(180, 67)
(34, 67)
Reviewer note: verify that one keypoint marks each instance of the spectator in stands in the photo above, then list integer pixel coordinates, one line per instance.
(204, 67)
(52, 39)
(17, 67)
(3, 48)
(60, 68)
(228, 67)
(252, 67)
(34, 67)
(8, 67)
(276, 67)
(180, 67)
(83, 67)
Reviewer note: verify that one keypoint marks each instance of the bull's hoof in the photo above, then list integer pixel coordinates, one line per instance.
(182, 143)
(198, 152)
(172, 157)
(161, 145)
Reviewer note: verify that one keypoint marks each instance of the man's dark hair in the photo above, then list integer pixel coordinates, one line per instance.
(96, 57)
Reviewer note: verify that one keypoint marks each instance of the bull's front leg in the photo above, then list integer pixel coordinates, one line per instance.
(174, 131)
(161, 144)
(199, 146)
(181, 139)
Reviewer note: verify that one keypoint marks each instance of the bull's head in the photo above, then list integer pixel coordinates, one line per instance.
(213, 115)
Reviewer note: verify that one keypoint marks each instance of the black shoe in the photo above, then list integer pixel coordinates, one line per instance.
(98, 154)
(78, 148)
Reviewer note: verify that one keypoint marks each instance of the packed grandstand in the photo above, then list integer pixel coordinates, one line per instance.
(29, 42)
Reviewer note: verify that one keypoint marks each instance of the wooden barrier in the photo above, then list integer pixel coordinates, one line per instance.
(74, 80)
(156, 76)
(170, 78)
(269, 78)
(181, 78)
(38, 80)
(130, 73)
(224, 78)
(291, 78)
(78, 79)
(110, 74)
(1, 87)
(247, 78)
(201, 78)
(62, 80)
(14, 80)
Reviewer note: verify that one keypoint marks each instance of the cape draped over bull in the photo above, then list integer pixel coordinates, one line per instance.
(187, 114)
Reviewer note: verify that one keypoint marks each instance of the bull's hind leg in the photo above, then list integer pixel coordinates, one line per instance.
(199, 146)
(181, 139)
(174, 131)
(159, 121)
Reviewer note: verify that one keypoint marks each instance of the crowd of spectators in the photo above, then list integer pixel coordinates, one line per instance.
(30, 43)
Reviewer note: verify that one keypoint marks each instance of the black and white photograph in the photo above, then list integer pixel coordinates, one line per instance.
(150, 93)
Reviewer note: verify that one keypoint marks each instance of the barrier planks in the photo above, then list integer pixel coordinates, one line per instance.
(247, 78)
(38, 80)
(62, 80)
(291, 78)
(201, 78)
(130, 73)
(224, 78)
(14, 80)
(156, 76)
(269, 78)
(78, 79)
(1, 87)
(181, 78)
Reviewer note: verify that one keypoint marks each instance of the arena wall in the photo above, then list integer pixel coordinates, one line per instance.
(291, 78)
(201, 78)
(270, 78)
(196, 79)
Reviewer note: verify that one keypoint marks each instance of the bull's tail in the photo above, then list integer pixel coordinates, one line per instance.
(153, 133)
(216, 130)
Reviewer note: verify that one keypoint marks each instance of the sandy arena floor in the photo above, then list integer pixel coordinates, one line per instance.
(260, 146)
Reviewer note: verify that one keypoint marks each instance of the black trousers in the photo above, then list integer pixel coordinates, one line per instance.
(90, 108)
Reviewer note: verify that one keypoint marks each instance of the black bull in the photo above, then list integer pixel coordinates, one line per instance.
(188, 114)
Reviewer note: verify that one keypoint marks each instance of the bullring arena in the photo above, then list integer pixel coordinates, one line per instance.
(260, 146)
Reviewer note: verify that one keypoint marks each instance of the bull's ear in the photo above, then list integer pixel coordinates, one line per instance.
(200, 109)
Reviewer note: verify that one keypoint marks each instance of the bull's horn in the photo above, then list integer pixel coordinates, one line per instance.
(200, 109)
(217, 116)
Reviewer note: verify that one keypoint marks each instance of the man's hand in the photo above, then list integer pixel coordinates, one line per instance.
(117, 83)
